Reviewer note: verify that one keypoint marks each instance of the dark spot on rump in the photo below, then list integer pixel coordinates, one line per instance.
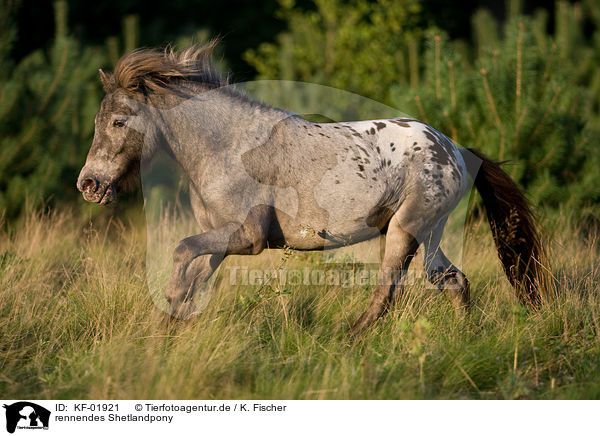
(441, 147)
(401, 123)
(337, 182)
(357, 134)
(317, 126)
(380, 125)
(336, 127)
(363, 150)
(417, 148)
(374, 178)
(455, 174)
(361, 167)
(378, 150)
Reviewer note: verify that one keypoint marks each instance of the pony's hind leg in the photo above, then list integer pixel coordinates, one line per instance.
(400, 248)
(441, 272)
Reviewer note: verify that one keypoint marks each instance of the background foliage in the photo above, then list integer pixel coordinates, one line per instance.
(520, 82)
(47, 105)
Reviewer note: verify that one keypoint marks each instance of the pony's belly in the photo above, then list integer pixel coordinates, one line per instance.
(318, 236)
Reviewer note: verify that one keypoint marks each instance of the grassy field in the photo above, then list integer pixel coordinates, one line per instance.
(78, 321)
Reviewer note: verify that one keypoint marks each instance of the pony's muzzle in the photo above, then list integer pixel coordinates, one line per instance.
(94, 188)
(88, 184)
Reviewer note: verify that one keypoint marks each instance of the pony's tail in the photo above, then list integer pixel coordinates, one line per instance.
(513, 228)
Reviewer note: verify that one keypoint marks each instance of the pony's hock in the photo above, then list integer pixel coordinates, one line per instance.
(260, 177)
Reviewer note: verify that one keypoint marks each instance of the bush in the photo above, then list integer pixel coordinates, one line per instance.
(47, 106)
(518, 102)
(351, 45)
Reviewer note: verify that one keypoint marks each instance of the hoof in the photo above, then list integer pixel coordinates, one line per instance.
(182, 311)
(362, 324)
(168, 322)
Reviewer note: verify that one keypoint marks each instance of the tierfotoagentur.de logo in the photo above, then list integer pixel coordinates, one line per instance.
(25, 415)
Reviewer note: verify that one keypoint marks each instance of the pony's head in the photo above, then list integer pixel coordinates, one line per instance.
(144, 81)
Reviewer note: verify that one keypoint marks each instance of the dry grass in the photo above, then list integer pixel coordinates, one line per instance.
(78, 321)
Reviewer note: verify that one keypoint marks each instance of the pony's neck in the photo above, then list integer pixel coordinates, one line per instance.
(215, 121)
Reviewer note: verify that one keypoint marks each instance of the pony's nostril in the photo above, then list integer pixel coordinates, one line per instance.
(89, 185)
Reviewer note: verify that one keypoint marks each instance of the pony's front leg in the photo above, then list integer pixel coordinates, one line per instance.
(196, 258)
(187, 278)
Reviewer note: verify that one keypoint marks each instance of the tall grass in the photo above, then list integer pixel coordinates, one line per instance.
(77, 321)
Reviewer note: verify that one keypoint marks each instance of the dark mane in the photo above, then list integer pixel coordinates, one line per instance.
(149, 70)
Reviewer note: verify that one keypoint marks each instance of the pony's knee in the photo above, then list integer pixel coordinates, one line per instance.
(184, 252)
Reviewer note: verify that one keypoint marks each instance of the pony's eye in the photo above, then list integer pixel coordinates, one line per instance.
(119, 123)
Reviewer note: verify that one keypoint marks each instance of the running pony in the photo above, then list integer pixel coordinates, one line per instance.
(261, 177)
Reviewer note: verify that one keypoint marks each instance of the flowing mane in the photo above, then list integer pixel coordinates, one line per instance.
(149, 70)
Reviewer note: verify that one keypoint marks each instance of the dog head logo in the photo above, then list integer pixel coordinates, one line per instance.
(26, 415)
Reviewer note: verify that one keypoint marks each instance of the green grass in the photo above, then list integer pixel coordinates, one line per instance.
(77, 321)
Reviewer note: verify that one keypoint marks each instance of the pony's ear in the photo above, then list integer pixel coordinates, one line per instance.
(107, 80)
